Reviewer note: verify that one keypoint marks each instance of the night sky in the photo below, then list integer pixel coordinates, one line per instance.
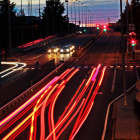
(102, 9)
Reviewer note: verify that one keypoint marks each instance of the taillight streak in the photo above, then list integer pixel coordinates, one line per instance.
(61, 121)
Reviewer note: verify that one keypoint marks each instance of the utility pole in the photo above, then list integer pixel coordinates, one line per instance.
(131, 14)
(123, 55)
(9, 22)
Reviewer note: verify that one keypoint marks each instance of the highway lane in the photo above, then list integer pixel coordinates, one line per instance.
(93, 126)
(42, 55)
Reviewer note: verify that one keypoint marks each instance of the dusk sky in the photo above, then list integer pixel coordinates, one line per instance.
(102, 9)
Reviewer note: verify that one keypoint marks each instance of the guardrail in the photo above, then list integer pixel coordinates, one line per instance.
(49, 41)
(79, 52)
(29, 90)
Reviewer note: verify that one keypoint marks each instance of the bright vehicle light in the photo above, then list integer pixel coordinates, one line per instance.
(67, 50)
(104, 26)
(55, 50)
(49, 50)
(61, 50)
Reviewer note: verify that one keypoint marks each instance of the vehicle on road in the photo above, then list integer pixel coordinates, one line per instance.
(53, 49)
(67, 49)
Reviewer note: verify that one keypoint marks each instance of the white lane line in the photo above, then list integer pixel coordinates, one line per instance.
(113, 83)
(107, 113)
(137, 73)
(85, 67)
(23, 65)
(13, 63)
(76, 60)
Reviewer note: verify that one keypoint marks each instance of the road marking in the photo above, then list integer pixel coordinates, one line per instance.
(76, 60)
(92, 67)
(107, 113)
(79, 67)
(100, 93)
(89, 71)
(85, 67)
(114, 77)
(137, 74)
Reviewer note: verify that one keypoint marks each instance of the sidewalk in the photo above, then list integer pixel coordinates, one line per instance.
(126, 121)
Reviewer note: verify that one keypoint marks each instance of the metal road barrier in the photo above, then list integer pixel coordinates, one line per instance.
(48, 42)
(87, 44)
(25, 93)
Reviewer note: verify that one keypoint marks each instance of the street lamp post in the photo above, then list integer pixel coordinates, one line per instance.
(82, 14)
(21, 27)
(75, 15)
(67, 15)
(47, 16)
(92, 19)
(88, 17)
(79, 13)
(131, 14)
(71, 16)
(85, 14)
(127, 22)
(40, 20)
(53, 16)
(61, 19)
(123, 54)
(9, 22)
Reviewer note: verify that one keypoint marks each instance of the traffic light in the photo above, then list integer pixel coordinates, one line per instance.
(97, 26)
(85, 30)
(104, 28)
(133, 43)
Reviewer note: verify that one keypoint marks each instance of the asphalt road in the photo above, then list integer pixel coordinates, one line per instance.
(103, 51)
(41, 55)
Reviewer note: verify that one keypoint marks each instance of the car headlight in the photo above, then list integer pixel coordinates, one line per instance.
(67, 50)
(61, 50)
(49, 51)
(73, 47)
(55, 50)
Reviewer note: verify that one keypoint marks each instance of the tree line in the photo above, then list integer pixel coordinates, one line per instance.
(135, 7)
